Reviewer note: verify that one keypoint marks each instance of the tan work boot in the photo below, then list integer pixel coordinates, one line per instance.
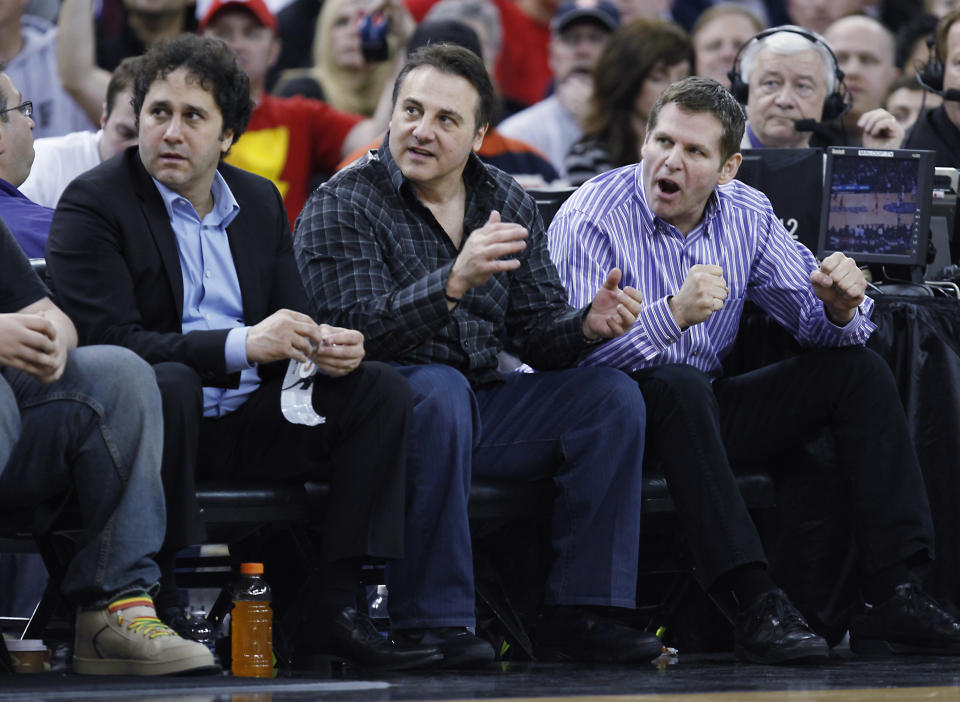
(126, 638)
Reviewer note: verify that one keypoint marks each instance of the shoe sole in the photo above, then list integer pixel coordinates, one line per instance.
(882, 647)
(813, 654)
(120, 666)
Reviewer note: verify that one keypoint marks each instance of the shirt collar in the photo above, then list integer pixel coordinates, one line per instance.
(755, 142)
(475, 174)
(652, 223)
(225, 207)
(10, 189)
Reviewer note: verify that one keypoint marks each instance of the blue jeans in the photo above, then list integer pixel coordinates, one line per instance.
(584, 427)
(98, 431)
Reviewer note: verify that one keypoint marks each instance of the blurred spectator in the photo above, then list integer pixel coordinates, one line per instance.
(939, 129)
(817, 15)
(578, 34)
(289, 139)
(864, 49)
(718, 35)
(913, 44)
(341, 75)
(145, 22)
(639, 62)
(61, 159)
(941, 8)
(28, 45)
(631, 10)
(480, 15)
(906, 99)
(771, 13)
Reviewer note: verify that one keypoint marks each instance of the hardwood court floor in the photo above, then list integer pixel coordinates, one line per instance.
(695, 678)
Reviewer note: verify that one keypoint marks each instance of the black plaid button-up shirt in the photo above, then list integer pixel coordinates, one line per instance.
(374, 258)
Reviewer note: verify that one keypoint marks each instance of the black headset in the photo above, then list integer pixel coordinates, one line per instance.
(836, 104)
(930, 76)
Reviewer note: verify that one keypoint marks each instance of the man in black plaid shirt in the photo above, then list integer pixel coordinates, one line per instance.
(442, 263)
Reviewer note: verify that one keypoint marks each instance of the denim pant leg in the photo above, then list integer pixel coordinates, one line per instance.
(99, 430)
(432, 585)
(584, 427)
(9, 422)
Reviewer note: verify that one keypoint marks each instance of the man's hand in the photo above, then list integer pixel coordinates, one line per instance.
(481, 254)
(30, 343)
(881, 130)
(284, 334)
(841, 286)
(340, 350)
(613, 311)
(702, 293)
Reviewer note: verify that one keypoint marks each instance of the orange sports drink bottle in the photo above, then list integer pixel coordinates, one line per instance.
(251, 624)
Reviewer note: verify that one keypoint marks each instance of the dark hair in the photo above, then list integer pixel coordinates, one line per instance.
(457, 61)
(943, 28)
(211, 64)
(697, 94)
(629, 56)
(920, 28)
(122, 80)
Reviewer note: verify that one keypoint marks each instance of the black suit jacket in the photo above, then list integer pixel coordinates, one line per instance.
(113, 262)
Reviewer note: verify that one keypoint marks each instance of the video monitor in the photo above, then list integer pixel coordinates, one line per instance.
(792, 179)
(876, 205)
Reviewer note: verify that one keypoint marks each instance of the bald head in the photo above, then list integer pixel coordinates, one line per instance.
(865, 54)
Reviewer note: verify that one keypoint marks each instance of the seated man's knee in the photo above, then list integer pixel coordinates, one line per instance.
(115, 374)
(180, 387)
(391, 388)
(9, 421)
(439, 387)
(615, 389)
(681, 380)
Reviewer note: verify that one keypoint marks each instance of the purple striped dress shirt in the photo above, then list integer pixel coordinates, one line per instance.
(607, 223)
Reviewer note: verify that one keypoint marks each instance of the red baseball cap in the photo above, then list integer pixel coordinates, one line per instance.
(257, 7)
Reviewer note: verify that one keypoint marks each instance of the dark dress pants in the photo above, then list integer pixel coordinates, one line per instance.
(697, 430)
(361, 450)
(583, 427)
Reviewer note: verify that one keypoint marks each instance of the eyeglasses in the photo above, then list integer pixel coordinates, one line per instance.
(26, 108)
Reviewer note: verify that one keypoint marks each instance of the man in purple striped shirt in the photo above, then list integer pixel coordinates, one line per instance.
(697, 243)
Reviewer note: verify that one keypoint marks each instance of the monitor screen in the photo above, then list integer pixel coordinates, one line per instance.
(792, 179)
(876, 205)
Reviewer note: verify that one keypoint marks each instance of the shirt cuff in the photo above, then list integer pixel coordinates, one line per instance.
(235, 350)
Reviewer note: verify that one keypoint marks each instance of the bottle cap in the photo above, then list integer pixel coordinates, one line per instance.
(251, 568)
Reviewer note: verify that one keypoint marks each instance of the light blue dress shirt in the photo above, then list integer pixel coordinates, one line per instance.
(211, 290)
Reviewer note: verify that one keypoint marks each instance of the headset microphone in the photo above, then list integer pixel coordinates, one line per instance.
(930, 75)
(806, 125)
(951, 94)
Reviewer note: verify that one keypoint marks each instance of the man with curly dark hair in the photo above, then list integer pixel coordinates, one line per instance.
(188, 261)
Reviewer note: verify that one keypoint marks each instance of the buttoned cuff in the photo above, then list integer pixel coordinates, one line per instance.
(661, 327)
(235, 350)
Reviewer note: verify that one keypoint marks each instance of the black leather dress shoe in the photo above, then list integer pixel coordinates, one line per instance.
(352, 637)
(460, 647)
(909, 622)
(576, 634)
(771, 630)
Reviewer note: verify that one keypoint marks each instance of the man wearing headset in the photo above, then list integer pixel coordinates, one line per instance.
(790, 82)
(939, 129)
